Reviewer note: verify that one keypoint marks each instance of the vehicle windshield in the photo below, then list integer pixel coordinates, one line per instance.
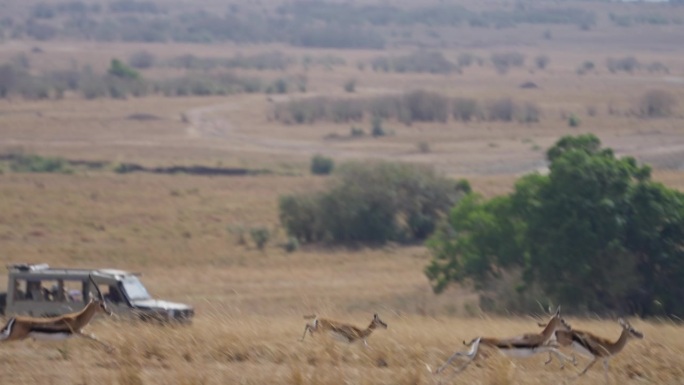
(134, 289)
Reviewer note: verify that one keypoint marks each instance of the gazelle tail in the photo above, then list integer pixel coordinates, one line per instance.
(7, 330)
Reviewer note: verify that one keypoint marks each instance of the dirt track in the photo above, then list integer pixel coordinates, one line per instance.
(664, 150)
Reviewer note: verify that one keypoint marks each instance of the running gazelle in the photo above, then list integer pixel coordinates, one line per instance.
(519, 346)
(57, 328)
(343, 331)
(596, 347)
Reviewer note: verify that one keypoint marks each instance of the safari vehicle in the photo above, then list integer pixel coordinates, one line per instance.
(41, 291)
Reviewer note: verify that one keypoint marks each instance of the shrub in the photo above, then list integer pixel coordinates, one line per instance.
(370, 203)
(425, 106)
(627, 64)
(501, 109)
(260, 236)
(356, 132)
(350, 85)
(542, 61)
(506, 60)
(466, 109)
(291, 245)
(121, 70)
(507, 110)
(657, 103)
(141, 60)
(528, 113)
(574, 121)
(376, 128)
(300, 215)
(421, 62)
(321, 165)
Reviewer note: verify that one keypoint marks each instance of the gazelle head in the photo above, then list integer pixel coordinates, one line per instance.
(99, 301)
(377, 322)
(556, 322)
(631, 332)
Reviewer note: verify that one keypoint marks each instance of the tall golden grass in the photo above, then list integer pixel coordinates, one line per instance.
(220, 348)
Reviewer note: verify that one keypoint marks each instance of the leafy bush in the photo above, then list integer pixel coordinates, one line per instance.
(260, 236)
(301, 217)
(371, 203)
(574, 121)
(121, 70)
(595, 234)
(321, 165)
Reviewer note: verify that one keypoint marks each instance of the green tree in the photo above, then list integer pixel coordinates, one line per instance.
(595, 234)
(120, 70)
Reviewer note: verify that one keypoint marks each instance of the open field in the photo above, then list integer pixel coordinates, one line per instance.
(189, 235)
(177, 231)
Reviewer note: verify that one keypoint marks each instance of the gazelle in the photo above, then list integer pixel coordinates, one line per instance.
(596, 347)
(520, 346)
(345, 332)
(57, 328)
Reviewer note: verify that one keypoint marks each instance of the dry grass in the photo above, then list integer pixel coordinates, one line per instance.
(220, 348)
(250, 303)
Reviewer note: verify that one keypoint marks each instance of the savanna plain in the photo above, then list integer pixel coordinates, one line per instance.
(189, 234)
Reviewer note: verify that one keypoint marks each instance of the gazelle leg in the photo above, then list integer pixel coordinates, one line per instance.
(549, 360)
(470, 354)
(307, 328)
(560, 356)
(588, 366)
(605, 369)
(107, 347)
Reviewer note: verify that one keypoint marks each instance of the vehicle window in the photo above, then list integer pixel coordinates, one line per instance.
(35, 291)
(53, 290)
(73, 290)
(134, 288)
(19, 289)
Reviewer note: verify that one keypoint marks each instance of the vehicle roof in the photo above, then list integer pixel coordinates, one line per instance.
(46, 270)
